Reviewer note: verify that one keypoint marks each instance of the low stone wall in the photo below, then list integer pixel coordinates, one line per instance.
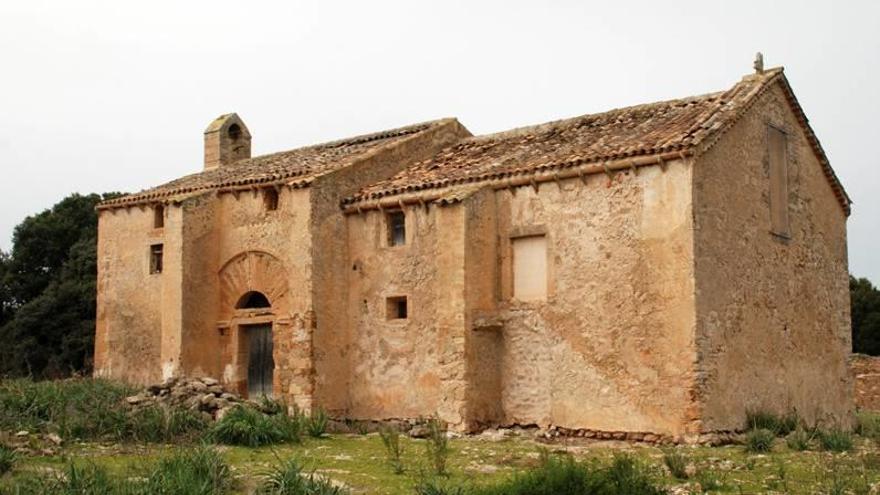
(866, 380)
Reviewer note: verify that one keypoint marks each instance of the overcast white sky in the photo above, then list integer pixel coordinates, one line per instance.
(102, 96)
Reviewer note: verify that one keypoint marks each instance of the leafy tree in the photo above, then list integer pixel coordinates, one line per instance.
(48, 290)
(865, 310)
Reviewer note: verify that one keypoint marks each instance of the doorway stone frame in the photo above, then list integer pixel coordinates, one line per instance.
(293, 380)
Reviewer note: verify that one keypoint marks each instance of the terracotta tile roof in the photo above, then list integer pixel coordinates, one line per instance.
(294, 166)
(689, 124)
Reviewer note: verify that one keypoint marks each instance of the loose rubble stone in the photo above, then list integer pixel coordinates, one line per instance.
(203, 395)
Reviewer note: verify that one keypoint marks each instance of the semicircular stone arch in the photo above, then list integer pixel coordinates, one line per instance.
(253, 271)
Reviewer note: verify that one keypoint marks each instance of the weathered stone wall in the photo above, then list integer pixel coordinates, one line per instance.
(865, 371)
(136, 319)
(611, 348)
(334, 336)
(235, 245)
(410, 367)
(773, 314)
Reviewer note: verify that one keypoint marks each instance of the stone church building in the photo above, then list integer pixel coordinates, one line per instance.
(657, 269)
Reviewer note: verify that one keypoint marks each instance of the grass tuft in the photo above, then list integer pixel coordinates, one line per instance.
(194, 471)
(8, 458)
(760, 440)
(799, 439)
(760, 419)
(835, 440)
(288, 478)
(393, 450)
(437, 447)
(316, 424)
(251, 428)
(677, 464)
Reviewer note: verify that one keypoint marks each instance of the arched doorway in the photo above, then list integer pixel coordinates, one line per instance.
(258, 338)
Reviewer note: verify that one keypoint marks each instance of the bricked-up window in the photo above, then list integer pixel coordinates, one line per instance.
(156, 258)
(530, 268)
(778, 152)
(395, 308)
(158, 217)
(270, 199)
(396, 221)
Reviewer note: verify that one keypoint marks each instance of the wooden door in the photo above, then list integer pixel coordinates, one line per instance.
(261, 366)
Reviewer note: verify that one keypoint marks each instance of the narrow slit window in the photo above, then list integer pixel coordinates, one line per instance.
(270, 199)
(530, 268)
(779, 221)
(156, 258)
(158, 217)
(396, 308)
(396, 228)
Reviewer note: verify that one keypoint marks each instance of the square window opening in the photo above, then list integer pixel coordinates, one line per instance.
(270, 199)
(158, 217)
(396, 308)
(396, 221)
(156, 258)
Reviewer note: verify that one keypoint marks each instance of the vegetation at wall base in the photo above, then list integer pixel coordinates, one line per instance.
(835, 440)
(248, 427)
(760, 440)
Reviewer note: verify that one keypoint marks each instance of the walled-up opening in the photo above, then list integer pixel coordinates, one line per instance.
(530, 268)
(270, 199)
(396, 221)
(779, 223)
(253, 300)
(158, 217)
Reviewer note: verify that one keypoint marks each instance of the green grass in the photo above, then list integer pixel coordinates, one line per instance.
(288, 478)
(245, 426)
(677, 463)
(759, 440)
(835, 440)
(782, 425)
(8, 458)
(360, 463)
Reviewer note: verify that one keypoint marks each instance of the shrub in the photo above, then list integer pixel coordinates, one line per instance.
(393, 450)
(316, 424)
(765, 420)
(799, 439)
(195, 471)
(288, 479)
(249, 427)
(677, 464)
(835, 440)
(8, 457)
(437, 446)
(759, 440)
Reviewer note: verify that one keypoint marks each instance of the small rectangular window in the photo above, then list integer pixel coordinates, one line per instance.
(158, 217)
(156, 258)
(270, 199)
(779, 222)
(396, 228)
(395, 308)
(530, 268)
